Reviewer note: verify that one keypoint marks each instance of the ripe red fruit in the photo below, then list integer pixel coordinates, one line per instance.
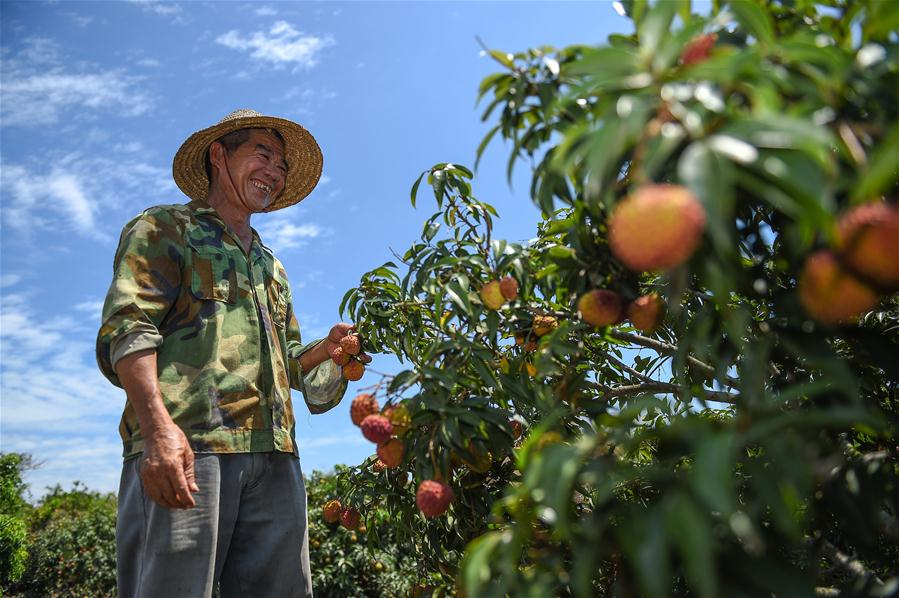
(508, 286)
(492, 296)
(699, 49)
(349, 518)
(377, 428)
(353, 371)
(351, 344)
(646, 312)
(340, 357)
(391, 452)
(516, 428)
(331, 511)
(657, 227)
(831, 295)
(363, 406)
(433, 498)
(868, 242)
(600, 307)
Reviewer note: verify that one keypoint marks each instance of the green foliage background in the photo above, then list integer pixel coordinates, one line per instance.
(740, 450)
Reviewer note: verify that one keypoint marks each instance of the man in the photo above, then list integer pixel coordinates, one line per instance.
(198, 328)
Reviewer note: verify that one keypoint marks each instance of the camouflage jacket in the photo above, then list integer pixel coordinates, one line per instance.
(223, 327)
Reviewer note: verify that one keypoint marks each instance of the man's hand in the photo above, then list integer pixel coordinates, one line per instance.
(167, 468)
(167, 465)
(338, 331)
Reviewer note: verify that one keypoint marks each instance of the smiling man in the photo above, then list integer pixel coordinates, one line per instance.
(199, 329)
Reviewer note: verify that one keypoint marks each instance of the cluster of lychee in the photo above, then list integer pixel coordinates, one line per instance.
(496, 293)
(383, 428)
(348, 517)
(838, 285)
(656, 228)
(347, 356)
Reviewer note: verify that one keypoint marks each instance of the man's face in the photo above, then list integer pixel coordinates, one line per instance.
(257, 170)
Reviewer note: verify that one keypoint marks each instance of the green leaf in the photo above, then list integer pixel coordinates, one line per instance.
(690, 529)
(710, 177)
(459, 296)
(754, 20)
(655, 27)
(414, 193)
(712, 472)
(476, 563)
(882, 172)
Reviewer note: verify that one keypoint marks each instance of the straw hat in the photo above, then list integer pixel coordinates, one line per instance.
(304, 157)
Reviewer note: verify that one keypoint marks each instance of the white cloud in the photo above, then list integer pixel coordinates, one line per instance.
(70, 196)
(8, 280)
(281, 45)
(265, 11)
(280, 233)
(38, 90)
(92, 307)
(158, 7)
(48, 382)
(149, 63)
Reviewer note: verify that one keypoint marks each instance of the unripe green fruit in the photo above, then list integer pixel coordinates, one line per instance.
(492, 296)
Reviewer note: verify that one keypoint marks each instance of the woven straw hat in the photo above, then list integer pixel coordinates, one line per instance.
(304, 157)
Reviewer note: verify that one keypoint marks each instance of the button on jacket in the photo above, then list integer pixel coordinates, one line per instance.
(222, 324)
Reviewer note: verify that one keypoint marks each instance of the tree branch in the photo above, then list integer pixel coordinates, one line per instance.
(668, 349)
(852, 566)
(663, 387)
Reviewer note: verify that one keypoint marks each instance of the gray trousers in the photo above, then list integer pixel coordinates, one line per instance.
(248, 532)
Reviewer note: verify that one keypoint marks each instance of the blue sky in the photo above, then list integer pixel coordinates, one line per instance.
(96, 97)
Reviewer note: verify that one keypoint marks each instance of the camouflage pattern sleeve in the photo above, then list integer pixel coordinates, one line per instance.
(324, 386)
(145, 284)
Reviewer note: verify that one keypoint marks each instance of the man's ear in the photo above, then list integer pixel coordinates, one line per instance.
(216, 154)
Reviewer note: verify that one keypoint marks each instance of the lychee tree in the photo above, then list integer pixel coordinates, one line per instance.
(691, 386)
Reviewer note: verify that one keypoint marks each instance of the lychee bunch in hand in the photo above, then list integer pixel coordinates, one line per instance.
(344, 346)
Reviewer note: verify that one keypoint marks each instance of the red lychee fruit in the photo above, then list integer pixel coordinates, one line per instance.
(349, 518)
(600, 307)
(526, 341)
(831, 295)
(646, 312)
(377, 428)
(699, 49)
(545, 325)
(508, 286)
(399, 417)
(363, 406)
(657, 227)
(391, 452)
(516, 428)
(868, 242)
(353, 371)
(340, 357)
(492, 296)
(433, 498)
(351, 344)
(331, 511)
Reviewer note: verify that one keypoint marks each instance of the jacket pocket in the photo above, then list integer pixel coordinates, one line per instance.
(213, 274)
